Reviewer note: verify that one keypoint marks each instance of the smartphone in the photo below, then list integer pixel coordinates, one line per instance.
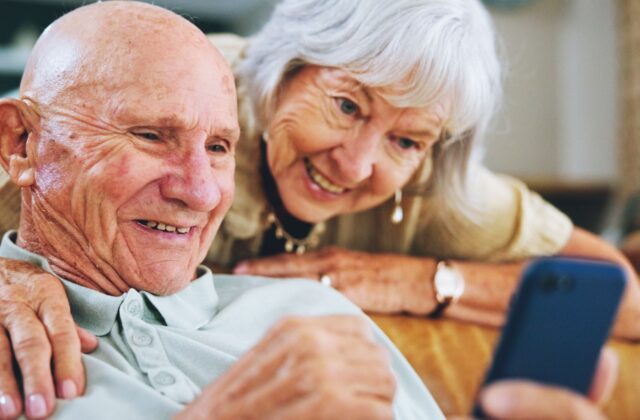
(559, 319)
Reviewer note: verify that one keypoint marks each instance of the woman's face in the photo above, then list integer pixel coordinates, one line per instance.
(336, 146)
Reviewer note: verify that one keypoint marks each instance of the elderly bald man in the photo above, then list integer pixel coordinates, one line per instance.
(128, 116)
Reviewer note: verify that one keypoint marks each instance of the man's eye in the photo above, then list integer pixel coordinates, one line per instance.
(147, 135)
(347, 107)
(217, 148)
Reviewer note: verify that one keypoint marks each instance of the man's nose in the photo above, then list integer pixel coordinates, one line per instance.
(192, 182)
(357, 156)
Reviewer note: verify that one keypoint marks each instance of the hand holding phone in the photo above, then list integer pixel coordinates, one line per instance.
(519, 399)
(560, 318)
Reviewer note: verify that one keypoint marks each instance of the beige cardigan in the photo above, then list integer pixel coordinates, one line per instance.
(514, 223)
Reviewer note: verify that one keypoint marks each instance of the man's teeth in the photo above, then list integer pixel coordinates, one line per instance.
(323, 182)
(164, 227)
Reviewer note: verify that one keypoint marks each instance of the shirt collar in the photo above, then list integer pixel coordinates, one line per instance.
(190, 308)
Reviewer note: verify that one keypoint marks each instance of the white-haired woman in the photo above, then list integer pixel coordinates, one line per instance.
(359, 166)
(360, 163)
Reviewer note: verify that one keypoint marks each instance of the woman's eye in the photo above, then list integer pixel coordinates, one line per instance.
(348, 107)
(406, 143)
(147, 135)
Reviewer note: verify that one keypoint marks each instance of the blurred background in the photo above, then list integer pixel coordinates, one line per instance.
(570, 122)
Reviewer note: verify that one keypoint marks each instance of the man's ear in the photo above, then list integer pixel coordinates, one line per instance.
(13, 142)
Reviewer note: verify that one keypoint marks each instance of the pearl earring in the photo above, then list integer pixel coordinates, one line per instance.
(398, 214)
(265, 136)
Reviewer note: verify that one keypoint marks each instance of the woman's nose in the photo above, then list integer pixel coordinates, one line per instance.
(356, 157)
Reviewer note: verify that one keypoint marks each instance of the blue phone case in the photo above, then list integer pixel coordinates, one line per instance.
(560, 318)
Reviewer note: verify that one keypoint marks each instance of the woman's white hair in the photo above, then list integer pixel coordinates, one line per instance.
(420, 51)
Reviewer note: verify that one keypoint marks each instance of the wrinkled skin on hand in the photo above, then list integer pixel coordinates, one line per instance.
(384, 283)
(35, 313)
(304, 368)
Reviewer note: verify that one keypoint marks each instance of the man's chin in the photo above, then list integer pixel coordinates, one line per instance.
(163, 280)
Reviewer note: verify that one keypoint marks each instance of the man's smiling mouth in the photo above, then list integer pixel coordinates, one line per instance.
(320, 180)
(164, 227)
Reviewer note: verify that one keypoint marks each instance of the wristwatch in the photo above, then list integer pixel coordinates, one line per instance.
(448, 286)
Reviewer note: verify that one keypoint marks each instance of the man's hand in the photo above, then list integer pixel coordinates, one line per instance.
(304, 368)
(36, 325)
(528, 400)
(384, 283)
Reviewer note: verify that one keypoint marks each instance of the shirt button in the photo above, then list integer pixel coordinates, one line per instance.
(164, 379)
(141, 339)
(134, 308)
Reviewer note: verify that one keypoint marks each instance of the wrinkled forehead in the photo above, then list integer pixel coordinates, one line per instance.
(210, 107)
(142, 86)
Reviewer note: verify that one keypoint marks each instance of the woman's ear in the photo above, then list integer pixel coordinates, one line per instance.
(13, 143)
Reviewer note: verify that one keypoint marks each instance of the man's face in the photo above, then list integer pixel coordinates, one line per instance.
(140, 173)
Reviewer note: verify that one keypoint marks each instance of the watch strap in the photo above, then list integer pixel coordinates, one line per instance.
(440, 307)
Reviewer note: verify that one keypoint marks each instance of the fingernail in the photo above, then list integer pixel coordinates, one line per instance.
(36, 406)
(69, 389)
(240, 268)
(7, 406)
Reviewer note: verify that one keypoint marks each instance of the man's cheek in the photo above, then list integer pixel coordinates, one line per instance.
(119, 179)
(228, 196)
(54, 167)
(226, 186)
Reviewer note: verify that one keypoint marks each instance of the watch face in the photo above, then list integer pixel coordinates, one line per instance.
(447, 283)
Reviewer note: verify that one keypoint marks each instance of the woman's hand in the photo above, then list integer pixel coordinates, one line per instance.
(36, 325)
(392, 283)
(385, 283)
(389, 283)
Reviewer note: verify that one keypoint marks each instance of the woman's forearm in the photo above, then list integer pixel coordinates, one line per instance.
(489, 287)
(488, 290)
(587, 245)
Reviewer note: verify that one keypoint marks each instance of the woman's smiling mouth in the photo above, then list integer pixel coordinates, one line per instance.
(320, 179)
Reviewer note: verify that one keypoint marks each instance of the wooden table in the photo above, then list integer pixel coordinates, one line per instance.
(451, 358)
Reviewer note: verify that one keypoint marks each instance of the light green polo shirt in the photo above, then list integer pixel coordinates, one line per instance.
(157, 352)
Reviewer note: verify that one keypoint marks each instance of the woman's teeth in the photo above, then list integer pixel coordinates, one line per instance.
(321, 181)
(164, 227)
